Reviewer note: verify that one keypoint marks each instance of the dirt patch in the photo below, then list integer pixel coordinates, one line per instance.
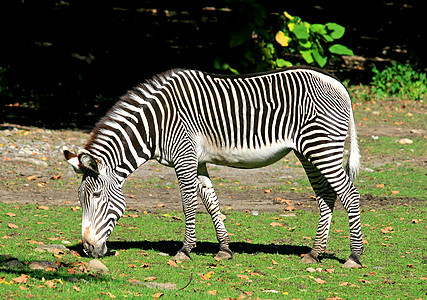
(34, 172)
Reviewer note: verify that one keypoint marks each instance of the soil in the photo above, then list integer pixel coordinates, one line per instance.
(34, 172)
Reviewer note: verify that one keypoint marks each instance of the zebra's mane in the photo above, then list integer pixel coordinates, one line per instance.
(141, 91)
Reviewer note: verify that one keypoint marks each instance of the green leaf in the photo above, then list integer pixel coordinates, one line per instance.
(305, 44)
(318, 28)
(337, 31)
(328, 38)
(319, 58)
(307, 56)
(340, 50)
(300, 32)
(280, 62)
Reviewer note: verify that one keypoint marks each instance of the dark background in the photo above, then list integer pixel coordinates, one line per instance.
(65, 62)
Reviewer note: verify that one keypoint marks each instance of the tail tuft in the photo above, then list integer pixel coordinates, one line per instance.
(353, 163)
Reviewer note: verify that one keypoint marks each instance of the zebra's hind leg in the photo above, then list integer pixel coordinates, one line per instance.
(326, 197)
(210, 200)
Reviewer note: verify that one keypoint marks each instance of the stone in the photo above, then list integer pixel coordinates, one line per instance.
(12, 263)
(155, 285)
(51, 248)
(42, 265)
(97, 266)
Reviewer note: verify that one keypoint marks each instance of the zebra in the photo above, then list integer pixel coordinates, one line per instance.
(185, 119)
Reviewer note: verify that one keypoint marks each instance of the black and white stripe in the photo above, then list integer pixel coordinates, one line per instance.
(187, 118)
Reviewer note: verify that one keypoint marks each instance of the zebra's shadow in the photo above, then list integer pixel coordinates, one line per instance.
(170, 247)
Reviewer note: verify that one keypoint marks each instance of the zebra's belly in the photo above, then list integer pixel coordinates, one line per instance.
(244, 158)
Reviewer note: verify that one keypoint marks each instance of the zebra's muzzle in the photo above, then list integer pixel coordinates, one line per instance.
(95, 250)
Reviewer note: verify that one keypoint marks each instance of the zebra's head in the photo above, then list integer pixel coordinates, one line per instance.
(101, 198)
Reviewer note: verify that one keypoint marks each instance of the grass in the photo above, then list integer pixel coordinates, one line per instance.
(266, 262)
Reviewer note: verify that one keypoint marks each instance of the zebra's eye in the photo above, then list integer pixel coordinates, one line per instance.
(97, 194)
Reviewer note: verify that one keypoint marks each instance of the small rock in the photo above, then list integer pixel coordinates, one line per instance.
(155, 285)
(12, 263)
(97, 266)
(254, 212)
(405, 141)
(42, 265)
(51, 248)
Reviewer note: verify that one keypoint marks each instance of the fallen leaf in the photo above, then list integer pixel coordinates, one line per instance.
(152, 278)
(21, 279)
(76, 288)
(11, 225)
(381, 185)
(275, 224)
(157, 295)
(213, 292)
(267, 191)
(387, 229)
(172, 263)
(241, 276)
(133, 215)
(415, 221)
(32, 177)
(274, 262)
(160, 205)
(56, 177)
(10, 214)
(132, 266)
(43, 207)
(290, 208)
(318, 280)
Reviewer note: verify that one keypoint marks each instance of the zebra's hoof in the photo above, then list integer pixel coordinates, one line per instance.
(309, 259)
(351, 264)
(222, 255)
(181, 256)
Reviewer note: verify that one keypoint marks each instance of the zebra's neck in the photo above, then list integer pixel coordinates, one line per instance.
(120, 138)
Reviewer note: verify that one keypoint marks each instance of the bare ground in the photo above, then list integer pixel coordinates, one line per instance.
(33, 171)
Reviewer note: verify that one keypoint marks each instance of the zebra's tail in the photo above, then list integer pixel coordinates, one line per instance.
(353, 162)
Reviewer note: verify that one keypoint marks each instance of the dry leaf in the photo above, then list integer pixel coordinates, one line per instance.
(172, 263)
(21, 279)
(157, 295)
(32, 177)
(10, 214)
(274, 262)
(56, 177)
(213, 292)
(241, 276)
(395, 192)
(318, 280)
(133, 215)
(76, 288)
(43, 207)
(12, 225)
(381, 185)
(275, 224)
(132, 266)
(152, 278)
(267, 191)
(290, 208)
(387, 229)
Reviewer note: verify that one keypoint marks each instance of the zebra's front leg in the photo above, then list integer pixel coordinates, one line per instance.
(210, 200)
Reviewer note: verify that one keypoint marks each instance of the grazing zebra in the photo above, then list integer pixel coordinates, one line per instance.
(186, 118)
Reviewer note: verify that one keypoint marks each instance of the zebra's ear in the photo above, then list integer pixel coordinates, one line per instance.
(88, 161)
(73, 160)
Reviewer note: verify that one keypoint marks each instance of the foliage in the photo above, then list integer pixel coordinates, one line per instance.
(311, 41)
(256, 46)
(399, 80)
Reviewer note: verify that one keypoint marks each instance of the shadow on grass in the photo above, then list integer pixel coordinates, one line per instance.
(171, 247)
(60, 273)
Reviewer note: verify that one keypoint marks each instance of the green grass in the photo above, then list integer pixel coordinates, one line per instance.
(266, 257)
